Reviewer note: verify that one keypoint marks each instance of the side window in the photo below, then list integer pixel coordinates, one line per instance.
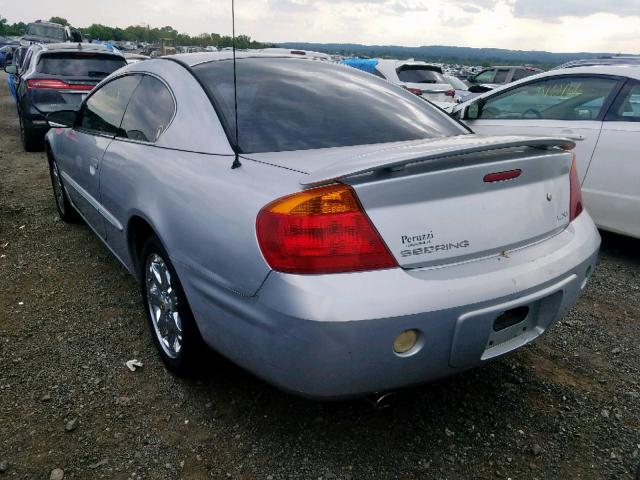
(521, 73)
(501, 76)
(149, 112)
(565, 98)
(103, 111)
(485, 77)
(627, 106)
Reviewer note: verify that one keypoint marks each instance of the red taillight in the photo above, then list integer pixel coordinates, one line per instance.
(415, 91)
(575, 198)
(51, 84)
(323, 230)
(450, 93)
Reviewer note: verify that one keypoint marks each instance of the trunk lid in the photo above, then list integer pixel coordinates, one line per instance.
(435, 202)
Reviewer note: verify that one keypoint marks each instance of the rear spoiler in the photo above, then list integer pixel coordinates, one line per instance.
(398, 156)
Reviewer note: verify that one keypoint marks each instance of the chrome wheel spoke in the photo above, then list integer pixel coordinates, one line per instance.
(163, 305)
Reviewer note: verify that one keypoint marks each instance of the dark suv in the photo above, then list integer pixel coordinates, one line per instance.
(57, 77)
(46, 32)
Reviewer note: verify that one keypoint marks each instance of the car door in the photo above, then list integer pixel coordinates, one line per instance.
(571, 106)
(130, 156)
(611, 190)
(98, 122)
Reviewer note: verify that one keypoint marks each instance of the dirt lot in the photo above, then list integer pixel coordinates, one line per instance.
(567, 407)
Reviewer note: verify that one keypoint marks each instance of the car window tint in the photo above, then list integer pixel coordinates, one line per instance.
(485, 77)
(418, 74)
(568, 98)
(501, 76)
(629, 106)
(80, 64)
(521, 73)
(47, 31)
(149, 112)
(104, 110)
(296, 104)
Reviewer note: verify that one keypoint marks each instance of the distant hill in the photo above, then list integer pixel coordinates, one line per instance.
(447, 54)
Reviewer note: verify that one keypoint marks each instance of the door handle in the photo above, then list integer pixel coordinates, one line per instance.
(93, 165)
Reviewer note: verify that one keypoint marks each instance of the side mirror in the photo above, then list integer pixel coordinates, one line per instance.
(472, 112)
(62, 119)
(11, 69)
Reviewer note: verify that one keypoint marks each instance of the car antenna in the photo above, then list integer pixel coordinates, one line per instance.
(236, 162)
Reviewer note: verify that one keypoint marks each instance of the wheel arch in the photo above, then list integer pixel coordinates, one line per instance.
(139, 229)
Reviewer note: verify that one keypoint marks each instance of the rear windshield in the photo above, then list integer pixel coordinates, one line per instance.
(47, 31)
(419, 74)
(80, 64)
(296, 104)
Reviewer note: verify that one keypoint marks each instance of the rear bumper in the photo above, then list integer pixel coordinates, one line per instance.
(331, 336)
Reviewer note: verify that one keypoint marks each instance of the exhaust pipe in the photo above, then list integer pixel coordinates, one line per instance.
(380, 401)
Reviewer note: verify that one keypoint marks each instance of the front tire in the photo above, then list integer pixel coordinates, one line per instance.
(173, 328)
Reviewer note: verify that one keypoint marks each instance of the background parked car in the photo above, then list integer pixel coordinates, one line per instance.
(494, 77)
(462, 89)
(135, 57)
(47, 32)
(6, 55)
(420, 78)
(54, 77)
(597, 107)
(305, 249)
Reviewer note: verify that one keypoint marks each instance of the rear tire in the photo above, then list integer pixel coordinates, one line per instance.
(171, 323)
(66, 211)
(32, 140)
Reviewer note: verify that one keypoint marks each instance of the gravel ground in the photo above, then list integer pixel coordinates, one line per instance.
(566, 407)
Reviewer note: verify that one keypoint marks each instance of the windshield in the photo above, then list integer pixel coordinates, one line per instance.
(419, 74)
(47, 31)
(296, 104)
(80, 64)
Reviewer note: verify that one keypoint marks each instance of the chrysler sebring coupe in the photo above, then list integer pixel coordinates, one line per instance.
(340, 237)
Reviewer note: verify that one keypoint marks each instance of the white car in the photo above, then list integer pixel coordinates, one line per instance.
(420, 78)
(598, 108)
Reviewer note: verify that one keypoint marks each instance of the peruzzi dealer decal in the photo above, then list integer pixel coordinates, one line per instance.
(423, 244)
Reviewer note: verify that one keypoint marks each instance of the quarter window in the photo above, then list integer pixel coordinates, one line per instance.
(521, 73)
(501, 76)
(485, 77)
(569, 98)
(627, 107)
(103, 111)
(149, 112)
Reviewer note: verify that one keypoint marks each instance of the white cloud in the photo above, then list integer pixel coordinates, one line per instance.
(560, 25)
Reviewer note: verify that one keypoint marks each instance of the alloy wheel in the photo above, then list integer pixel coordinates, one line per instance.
(162, 300)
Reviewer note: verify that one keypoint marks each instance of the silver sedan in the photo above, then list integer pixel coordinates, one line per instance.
(340, 237)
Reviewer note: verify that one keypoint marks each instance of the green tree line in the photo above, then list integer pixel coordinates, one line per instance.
(140, 33)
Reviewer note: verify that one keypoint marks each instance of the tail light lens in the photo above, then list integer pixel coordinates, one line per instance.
(575, 198)
(52, 84)
(415, 91)
(323, 230)
(450, 93)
